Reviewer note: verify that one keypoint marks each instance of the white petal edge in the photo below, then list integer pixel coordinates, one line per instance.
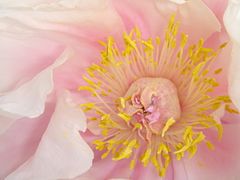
(29, 99)
(179, 1)
(62, 153)
(232, 24)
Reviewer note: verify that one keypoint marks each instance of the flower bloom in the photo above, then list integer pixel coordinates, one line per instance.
(146, 84)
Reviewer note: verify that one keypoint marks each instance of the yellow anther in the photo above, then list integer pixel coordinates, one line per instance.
(217, 71)
(87, 88)
(220, 130)
(129, 41)
(183, 149)
(187, 133)
(88, 106)
(132, 164)
(205, 72)
(104, 155)
(223, 45)
(184, 39)
(212, 81)
(90, 82)
(121, 102)
(158, 40)
(105, 117)
(162, 172)
(100, 145)
(109, 47)
(197, 69)
(126, 151)
(138, 32)
(102, 43)
(168, 124)
(199, 138)
(192, 150)
(124, 116)
(231, 110)
(146, 157)
(162, 149)
(209, 145)
(137, 126)
(104, 132)
(148, 44)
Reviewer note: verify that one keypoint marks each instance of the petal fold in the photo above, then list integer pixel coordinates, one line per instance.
(62, 153)
(28, 100)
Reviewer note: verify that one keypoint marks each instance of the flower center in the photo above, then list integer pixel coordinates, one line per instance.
(153, 100)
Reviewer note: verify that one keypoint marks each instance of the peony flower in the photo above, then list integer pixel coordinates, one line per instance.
(143, 89)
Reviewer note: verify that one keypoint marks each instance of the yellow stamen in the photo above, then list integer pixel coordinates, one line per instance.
(125, 123)
(168, 124)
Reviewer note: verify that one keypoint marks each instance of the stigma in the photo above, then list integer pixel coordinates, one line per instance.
(153, 100)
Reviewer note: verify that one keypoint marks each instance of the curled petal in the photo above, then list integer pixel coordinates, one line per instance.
(232, 24)
(62, 153)
(29, 99)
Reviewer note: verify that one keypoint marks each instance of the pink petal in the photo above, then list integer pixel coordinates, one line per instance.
(218, 7)
(221, 163)
(62, 153)
(196, 18)
(142, 173)
(106, 169)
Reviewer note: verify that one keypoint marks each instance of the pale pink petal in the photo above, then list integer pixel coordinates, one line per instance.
(62, 153)
(20, 141)
(23, 3)
(195, 17)
(7, 119)
(232, 24)
(218, 7)
(76, 18)
(29, 99)
(20, 45)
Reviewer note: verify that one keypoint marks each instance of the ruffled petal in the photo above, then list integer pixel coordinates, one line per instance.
(232, 24)
(29, 99)
(76, 18)
(21, 139)
(21, 45)
(62, 153)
